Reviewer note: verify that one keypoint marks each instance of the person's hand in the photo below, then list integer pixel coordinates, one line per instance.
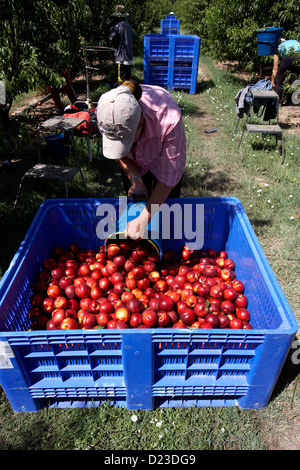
(138, 191)
(137, 227)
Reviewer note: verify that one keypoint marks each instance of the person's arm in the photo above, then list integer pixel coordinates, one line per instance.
(275, 69)
(137, 190)
(114, 35)
(136, 228)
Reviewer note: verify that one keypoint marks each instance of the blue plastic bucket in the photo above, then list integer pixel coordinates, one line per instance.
(268, 40)
(152, 234)
(56, 145)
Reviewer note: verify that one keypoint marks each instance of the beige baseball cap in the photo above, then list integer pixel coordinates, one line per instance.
(118, 117)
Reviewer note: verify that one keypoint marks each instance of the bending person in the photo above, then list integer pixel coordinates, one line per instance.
(283, 61)
(142, 129)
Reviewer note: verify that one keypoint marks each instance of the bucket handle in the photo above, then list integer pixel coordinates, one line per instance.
(268, 42)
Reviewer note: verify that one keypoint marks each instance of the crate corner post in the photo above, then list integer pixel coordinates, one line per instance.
(265, 374)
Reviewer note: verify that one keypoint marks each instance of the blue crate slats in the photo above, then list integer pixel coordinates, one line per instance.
(173, 77)
(172, 61)
(178, 48)
(170, 25)
(148, 368)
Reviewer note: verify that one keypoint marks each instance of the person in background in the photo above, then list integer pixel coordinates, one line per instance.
(142, 129)
(283, 61)
(121, 36)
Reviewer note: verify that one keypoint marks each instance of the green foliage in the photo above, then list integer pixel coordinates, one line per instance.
(145, 17)
(38, 40)
(14, 133)
(242, 44)
(191, 15)
(228, 29)
(289, 15)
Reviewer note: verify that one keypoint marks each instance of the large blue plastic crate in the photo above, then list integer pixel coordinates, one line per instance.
(185, 78)
(173, 78)
(143, 369)
(170, 26)
(156, 48)
(172, 48)
(159, 75)
(171, 61)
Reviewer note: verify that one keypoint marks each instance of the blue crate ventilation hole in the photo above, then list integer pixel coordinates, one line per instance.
(145, 368)
(172, 61)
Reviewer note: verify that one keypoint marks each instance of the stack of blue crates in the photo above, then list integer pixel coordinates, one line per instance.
(170, 25)
(171, 61)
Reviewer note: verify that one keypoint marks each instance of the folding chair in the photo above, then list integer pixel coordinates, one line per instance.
(272, 129)
(50, 171)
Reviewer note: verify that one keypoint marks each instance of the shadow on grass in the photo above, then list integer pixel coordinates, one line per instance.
(260, 144)
(106, 178)
(286, 126)
(261, 222)
(290, 371)
(190, 109)
(209, 183)
(204, 85)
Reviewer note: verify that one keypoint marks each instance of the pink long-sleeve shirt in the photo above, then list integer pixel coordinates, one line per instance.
(161, 148)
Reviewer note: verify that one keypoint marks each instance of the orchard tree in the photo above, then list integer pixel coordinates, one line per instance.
(191, 15)
(39, 38)
(144, 17)
(228, 29)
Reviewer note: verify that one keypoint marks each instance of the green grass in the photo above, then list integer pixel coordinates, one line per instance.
(111, 428)
(269, 193)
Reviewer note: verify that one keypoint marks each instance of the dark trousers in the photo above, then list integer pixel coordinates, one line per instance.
(123, 72)
(150, 181)
(287, 63)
